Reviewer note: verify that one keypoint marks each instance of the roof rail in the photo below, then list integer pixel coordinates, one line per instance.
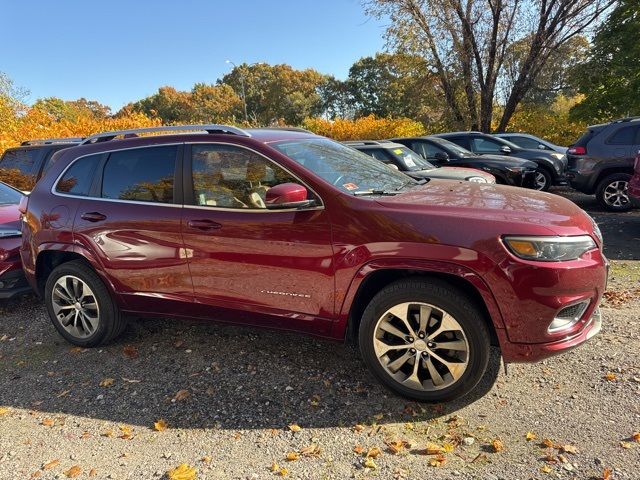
(51, 141)
(626, 119)
(366, 142)
(287, 129)
(107, 136)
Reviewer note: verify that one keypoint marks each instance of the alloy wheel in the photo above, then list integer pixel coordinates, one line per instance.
(540, 181)
(75, 306)
(421, 346)
(615, 194)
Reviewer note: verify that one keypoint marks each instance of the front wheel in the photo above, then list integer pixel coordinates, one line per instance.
(80, 306)
(425, 340)
(612, 192)
(542, 180)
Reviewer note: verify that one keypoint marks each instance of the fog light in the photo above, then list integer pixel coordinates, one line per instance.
(568, 316)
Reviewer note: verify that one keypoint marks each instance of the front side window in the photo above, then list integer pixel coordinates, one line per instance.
(227, 176)
(140, 174)
(342, 166)
(525, 142)
(486, 145)
(79, 176)
(18, 168)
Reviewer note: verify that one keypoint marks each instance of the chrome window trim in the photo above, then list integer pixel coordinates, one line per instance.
(183, 205)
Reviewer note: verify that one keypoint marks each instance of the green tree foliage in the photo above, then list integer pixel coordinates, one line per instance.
(610, 78)
(277, 93)
(72, 110)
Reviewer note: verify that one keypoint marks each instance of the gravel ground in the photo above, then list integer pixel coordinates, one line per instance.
(231, 399)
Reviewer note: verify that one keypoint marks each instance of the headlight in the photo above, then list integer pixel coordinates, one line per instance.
(596, 230)
(476, 179)
(549, 249)
(10, 233)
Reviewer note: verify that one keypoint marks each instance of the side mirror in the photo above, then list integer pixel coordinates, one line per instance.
(441, 156)
(287, 195)
(505, 149)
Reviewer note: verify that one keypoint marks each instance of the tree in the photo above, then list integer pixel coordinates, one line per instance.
(72, 110)
(12, 101)
(466, 42)
(610, 78)
(277, 93)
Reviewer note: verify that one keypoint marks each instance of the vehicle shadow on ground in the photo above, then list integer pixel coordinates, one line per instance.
(198, 375)
(621, 230)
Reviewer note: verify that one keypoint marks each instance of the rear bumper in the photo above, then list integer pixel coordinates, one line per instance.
(581, 181)
(533, 352)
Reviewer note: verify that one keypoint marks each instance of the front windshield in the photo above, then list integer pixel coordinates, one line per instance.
(9, 196)
(348, 169)
(412, 161)
(454, 147)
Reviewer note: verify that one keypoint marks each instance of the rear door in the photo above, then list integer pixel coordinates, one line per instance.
(621, 143)
(242, 256)
(131, 221)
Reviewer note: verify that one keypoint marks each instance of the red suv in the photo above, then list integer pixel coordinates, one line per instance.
(285, 229)
(634, 184)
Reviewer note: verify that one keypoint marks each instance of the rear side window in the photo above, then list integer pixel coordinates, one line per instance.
(79, 176)
(141, 174)
(624, 136)
(462, 141)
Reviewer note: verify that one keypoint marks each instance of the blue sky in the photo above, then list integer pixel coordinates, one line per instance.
(119, 51)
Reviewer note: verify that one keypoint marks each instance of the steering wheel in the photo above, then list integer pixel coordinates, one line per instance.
(337, 180)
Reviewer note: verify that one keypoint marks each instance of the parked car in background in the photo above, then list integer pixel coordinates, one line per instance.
(634, 184)
(12, 280)
(526, 140)
(291, 230)
(506, 170)
(601, 161)
(401, 158)
(551, 165)
(22, 166)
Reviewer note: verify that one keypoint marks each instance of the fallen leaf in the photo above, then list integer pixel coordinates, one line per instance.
(48, 422)
(292, 456)
(358, 428)
(77, 350)
(310, 451)
(182, 472)
(433, 449)
(283, 472)
(374, 452)
(549, 443)
(546, 469)
(51, 464)
(438, 460)
(294, 427)
(626, 445)
(369, 463)
(181, 395)
(206, 459)
(107, 382)
(274, 467)
(93, 472)
(448, 447)
(606, 474)
(108, 433)
(396, 446)
(130, 351)
(379, 416)
(530, 436)
(160, 425)
(610, 377)
(569, 449)
(127, 432)
(73, 472)
(358, 449)
(36, 474)
(497, 445)
(3, 411)
(636, 437)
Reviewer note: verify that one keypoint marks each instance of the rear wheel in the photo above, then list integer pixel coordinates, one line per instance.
(424, 340)
(80, 306)
(612, 192)
(542, 180)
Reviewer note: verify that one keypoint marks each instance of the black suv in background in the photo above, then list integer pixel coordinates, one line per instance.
(551, 165)
(507, 170)
(601, 161)
(21, 167)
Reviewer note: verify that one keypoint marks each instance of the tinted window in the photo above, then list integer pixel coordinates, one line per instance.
(19, 168)
(624, 136)
(9, 196)
(378, 154)
(342, 166)
(484, 145)
(426, 149)
(525, 142)
(462, 141)
(79, 176)
(233, 177)
(141, 174)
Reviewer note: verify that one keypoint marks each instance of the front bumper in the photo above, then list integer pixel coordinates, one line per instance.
(528, 179)
(527, 352)
(12, 283)
(634, 190)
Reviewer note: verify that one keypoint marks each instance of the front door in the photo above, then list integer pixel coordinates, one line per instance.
(245, 257)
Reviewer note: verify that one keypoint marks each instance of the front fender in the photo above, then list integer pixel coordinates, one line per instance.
(424, 266)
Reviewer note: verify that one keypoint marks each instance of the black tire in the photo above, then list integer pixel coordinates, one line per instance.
(110, 322)
(609, 181)
(441, 295)
(548, 180)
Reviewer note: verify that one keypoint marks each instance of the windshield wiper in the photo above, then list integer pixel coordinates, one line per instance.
(363, 193)
(422, 181)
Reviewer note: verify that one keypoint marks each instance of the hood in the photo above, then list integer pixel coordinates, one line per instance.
(9, 216)
(451, 173)
(502, 160)
(497, 207)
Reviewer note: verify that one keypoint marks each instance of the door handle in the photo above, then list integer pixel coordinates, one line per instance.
(93, 217)
(204, 224)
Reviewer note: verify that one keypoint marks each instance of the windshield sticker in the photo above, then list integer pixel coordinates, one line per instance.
(409, 161)
(350, 186)
(398, 151)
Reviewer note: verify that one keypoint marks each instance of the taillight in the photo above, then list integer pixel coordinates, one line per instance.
(22, 206)
(577, 151)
